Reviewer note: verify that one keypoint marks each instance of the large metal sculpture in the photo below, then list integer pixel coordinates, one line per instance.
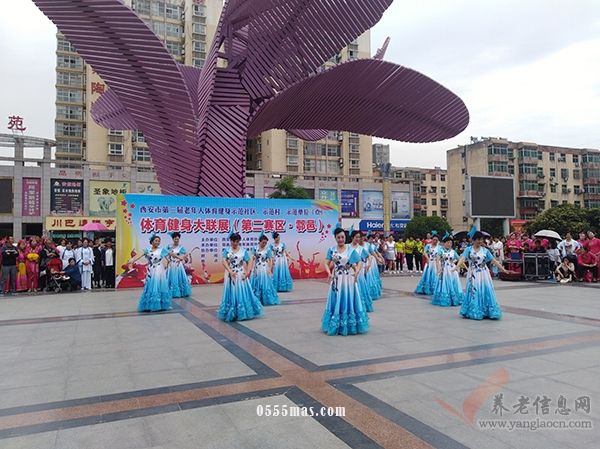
(263, 71)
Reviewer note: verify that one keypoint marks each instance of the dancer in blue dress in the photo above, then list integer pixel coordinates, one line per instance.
(429, 278)
(156, 295)
(448, 291)
(363, 287)
(281, 269)
(372, 277)
(480, 298)
(178, 279)
(345, 312)
(238, 302)
(262, 266)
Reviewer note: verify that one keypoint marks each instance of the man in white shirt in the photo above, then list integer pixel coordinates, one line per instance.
(108, 264)
(84, 256)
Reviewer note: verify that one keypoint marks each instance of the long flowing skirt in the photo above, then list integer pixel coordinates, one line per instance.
(178, 281)
(480, 298)
(374, 282)
(157, 294)
(345, 312)
(239, 301)
(448, 291)
(21, 282)
(282, 279)
(363, 288)
(262, 285)
(428, 280)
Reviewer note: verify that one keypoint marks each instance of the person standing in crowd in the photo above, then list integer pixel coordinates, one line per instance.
(538, 247)
(419, 251)
(565, 272)
(409, 248)
(497, 249)
(61, 247)
(568, 248)
(21, 283)
(97, 266)
(32, 266)
(583, 239)
(74, 273)
(480, 298)
(400, 255)
(156, 295)
(429, 279)
(85, 260)
(345, 312)
(594, 248)
(281, 268)
(587, 265)
(448, 291)
(48, 252)
(9, 266)
(67, 254)
(361, 276)
(261, 268)
(239, 301)
(108, 264)
(553, 255)
(372, 274)
(389, 250)
(178, 279)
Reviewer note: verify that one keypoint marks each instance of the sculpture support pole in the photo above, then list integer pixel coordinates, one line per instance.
(387, 204)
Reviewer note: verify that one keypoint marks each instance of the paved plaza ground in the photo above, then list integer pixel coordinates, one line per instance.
(86, 371)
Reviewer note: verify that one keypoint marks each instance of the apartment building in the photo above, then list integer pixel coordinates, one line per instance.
(429, 187)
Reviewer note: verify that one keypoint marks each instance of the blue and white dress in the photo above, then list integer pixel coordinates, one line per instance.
(448, 291)
(480, 298)
(363, 286)
(238, 302)
(345, 312)
(428, 282)
(178, 279)
(281, 269)
(373, 279)
(262, 283)
(156, 295)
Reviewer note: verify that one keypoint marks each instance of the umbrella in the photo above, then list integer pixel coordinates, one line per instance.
(548, 234)
(459, 235)
(94, 227)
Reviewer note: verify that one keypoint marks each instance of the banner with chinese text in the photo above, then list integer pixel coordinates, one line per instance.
(103, 196)
(306, 227)
(349, 203)
(76, 223)
(32, 201)
(66, 196)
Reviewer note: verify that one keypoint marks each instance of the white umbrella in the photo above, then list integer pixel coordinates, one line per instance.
(548, 234)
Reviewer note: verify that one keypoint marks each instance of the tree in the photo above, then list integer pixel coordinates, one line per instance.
(420, 225)
(562, 219)
(286, 188)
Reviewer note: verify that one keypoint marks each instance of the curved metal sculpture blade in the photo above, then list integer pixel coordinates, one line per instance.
(370, 97)
(108, 111)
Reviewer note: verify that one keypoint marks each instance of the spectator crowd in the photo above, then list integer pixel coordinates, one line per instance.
(570, 259)
(39, 264)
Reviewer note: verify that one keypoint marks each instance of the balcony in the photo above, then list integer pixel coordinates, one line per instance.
(528, 176)
(497, 157)
(529, 194)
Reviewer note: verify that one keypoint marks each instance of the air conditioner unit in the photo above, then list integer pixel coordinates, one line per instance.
(565, 179)
(576, 164)
(568, 190)
(551, 178)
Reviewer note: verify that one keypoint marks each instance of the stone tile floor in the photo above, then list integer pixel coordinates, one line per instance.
(86, 371)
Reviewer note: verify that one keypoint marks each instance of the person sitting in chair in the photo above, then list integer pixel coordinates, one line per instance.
(72, 270)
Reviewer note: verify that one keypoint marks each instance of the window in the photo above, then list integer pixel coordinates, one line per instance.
(69, 112)
(591, 173)
(173, 11)
(423, 190)
(115, 132)
(354, 163)
(200, 10)
(497, 149)
(443, 190)
(292, 160)
(562, 158)
(68, 146)
(444, 214)
(199, 46)
(540, 172)
(334, 151)
(495, 167)
(564, 173)
(309, 165)
(444, 203)
(140, 137)
(577, 203)
(528, 152)
(64, 45)
(142, 7)
(553, 203)
(433, 201)
(511, 169)
(552, 156)
(142, 154)
(199, 28)
(292, 143)
(423, 201)
(553, 172)
(443, 178)
(433, 177)
(528, 186)
(564, 189)
(173, 30)
(158, 28)
(69, 79)
(70, 62)
(354, 148)
(528, 169)
(576, 159)
(115, 149)
(333, 167)
(434, 190)
(69, 129)
(591, 158)
(552, 188)
(174, 48)
(198, 62)
(434, 213)
(158, 8)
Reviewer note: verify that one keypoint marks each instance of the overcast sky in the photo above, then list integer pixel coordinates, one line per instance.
(528, 70)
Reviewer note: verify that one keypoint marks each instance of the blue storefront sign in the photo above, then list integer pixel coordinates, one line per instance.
(349, 203)
(377, 225)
